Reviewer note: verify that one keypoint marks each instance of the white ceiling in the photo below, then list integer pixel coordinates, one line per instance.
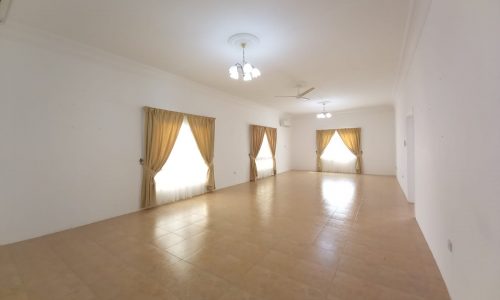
(348, 49)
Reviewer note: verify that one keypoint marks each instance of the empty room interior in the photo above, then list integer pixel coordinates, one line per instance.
(250, 150)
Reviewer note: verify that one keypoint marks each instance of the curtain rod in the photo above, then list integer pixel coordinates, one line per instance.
(339, 128)
(186, 114)
(262, 126)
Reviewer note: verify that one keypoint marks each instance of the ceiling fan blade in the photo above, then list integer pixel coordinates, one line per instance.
(306, 92)
(304, 98)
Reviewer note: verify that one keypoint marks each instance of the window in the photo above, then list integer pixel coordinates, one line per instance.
(264, 159)
(184, 175)
(337, 157)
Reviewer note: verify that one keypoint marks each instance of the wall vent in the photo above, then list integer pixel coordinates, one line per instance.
(4, 8)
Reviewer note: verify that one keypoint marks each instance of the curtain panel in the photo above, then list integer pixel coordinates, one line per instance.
(352, 139)
(257, 137)
(257, 134)
(272, 136)
(323, 137)
(161, 130)
(203, 129)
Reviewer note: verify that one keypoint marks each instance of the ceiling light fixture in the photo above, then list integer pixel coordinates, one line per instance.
(244, 70)
(323, 114)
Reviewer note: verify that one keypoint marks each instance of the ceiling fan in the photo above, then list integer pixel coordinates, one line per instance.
(299, 95)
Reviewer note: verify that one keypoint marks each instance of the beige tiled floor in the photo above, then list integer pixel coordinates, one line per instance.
(300, 235)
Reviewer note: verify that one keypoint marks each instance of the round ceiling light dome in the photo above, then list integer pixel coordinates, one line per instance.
(248, 39)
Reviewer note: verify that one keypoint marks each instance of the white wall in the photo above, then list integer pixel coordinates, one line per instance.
(377, 138)
(452, 89)
(71, 131)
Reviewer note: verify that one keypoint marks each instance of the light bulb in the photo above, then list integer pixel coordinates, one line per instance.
(255, 73)
(328, 115)
(247, 68)
(247, 76)
(233, 72)
(320, 116)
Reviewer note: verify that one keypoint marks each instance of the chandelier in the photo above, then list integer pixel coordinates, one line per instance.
(243, 70)
(323, 114)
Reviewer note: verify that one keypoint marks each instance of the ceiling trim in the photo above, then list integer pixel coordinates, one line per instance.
(34, 37)
(375, 108)
(417, 17)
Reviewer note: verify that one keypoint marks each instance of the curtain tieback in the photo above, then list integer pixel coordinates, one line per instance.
(148, 170)
(252, 157)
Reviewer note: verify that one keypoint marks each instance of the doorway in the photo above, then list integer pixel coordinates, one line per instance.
(410, 158)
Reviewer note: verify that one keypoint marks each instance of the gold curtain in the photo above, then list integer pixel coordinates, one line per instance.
(323, 137)
(161, 130)
(272, 135)
(352, 139)
(203, 129)
(257, 135)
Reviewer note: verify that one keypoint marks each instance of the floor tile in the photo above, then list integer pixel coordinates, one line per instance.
(299, 235)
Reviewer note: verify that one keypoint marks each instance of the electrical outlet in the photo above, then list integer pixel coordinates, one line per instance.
(450, 246)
